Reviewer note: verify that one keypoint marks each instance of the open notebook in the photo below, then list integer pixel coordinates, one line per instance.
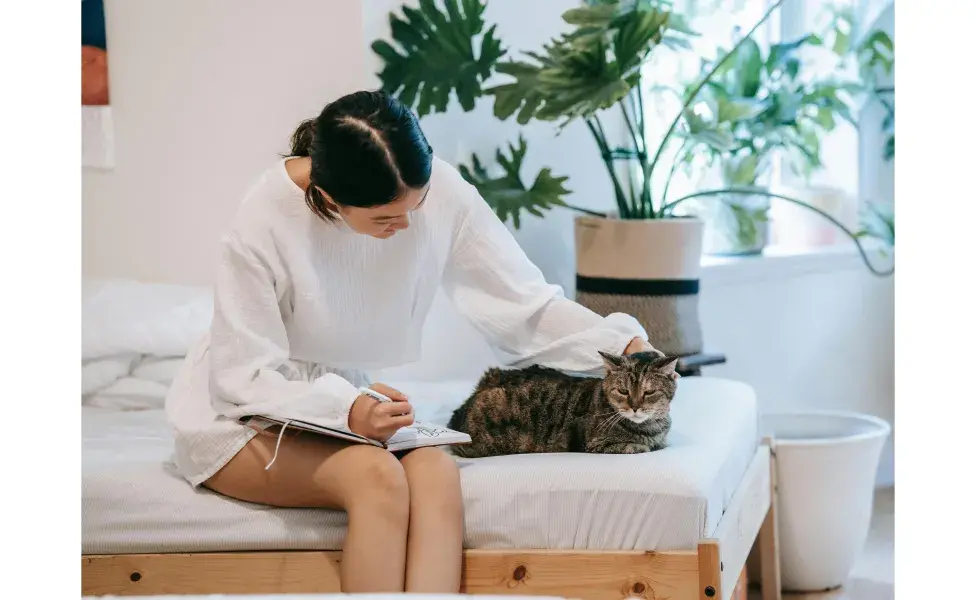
(417, 435)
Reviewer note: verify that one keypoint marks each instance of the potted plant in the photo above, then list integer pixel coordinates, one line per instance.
(640, 258)
(758, 107)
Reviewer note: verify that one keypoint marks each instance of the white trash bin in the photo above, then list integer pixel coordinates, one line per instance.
(826, 466)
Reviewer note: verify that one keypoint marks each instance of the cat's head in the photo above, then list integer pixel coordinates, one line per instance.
(640, 386)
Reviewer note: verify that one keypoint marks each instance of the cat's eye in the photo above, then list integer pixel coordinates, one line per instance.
(621, 391)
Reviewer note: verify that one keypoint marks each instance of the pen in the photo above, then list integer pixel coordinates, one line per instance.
(374, 394)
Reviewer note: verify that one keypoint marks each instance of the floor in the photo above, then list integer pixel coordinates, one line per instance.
(873, 577)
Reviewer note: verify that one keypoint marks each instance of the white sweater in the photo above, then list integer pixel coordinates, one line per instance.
(303, 307)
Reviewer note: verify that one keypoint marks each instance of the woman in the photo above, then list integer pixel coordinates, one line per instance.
(328, 270)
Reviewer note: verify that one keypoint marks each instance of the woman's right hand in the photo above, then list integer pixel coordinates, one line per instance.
(380, 420)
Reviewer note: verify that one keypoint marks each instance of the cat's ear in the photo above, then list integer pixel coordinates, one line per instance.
(612, 361)
(668, 366)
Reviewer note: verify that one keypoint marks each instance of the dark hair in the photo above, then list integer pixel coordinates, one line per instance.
(366, 149)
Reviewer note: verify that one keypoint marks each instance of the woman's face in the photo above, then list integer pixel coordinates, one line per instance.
(385, 221)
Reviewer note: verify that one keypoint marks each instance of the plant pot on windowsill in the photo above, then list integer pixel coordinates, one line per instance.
(647, 268)
(726, 241)
(736, 225)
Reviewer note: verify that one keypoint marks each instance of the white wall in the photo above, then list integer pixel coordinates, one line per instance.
(807, 338)
(204, 94)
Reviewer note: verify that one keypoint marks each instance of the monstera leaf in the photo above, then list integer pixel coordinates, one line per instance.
(436, 55)
(600, 16)
(507, 194)
(590, 69)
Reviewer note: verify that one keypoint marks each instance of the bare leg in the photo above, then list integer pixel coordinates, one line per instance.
(436, 522)
(365, 481)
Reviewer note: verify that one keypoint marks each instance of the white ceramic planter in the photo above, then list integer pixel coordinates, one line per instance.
(826, 463)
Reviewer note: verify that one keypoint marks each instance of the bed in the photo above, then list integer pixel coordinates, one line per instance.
(677, 523)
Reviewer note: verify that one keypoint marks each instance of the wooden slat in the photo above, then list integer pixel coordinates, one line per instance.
(740, 524)
(210, 573)
(772, 585)
(583, 575)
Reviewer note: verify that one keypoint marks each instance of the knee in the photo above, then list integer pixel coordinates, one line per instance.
(432, 472)
(381, 487)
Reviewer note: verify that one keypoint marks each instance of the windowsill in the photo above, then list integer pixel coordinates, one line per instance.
(780, 262)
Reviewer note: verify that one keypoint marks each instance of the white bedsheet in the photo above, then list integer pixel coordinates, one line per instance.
(135, 502)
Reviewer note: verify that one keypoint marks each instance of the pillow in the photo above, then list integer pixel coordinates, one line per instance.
(159, 370)
(123, 317)
(100, 373)
(129, 394)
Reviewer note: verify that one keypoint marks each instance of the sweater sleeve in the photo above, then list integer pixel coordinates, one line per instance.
(497, 288)
(250, 367)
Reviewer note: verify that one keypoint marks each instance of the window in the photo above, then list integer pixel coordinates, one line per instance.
(837, 185)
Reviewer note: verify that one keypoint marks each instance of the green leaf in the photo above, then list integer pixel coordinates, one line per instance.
(506, 193)
(889, 150)
(780, 53)
(694, 123)
(731, 110)
(748, 69)
(747, 222)
(597, 16)
(842, 42)
(592, 68)
(740, 171)
(878, 222)
(876, 51)
(791, 68)
(433, 55)
(826, 119)
(716, 140)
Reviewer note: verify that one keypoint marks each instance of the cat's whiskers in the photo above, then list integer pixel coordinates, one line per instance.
(602, 424)
(607, 424)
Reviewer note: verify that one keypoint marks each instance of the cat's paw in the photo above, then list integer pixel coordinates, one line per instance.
(637, 449)
(623, 449)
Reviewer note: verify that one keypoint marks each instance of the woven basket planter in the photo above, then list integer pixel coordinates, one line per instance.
(648, 269)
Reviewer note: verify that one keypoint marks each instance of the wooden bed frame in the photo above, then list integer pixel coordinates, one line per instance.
(710, 571)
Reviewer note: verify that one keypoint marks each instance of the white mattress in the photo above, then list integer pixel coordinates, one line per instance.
(135, 502)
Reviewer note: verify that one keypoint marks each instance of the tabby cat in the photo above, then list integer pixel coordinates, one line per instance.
(544, 410)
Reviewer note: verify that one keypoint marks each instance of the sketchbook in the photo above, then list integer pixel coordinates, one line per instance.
(413, 436)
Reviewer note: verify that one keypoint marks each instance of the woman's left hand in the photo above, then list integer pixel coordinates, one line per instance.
(639, 345)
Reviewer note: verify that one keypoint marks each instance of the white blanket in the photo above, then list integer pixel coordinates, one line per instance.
(134, 338)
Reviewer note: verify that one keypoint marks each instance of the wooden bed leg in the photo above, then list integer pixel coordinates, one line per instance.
(770, 581)
(709, 571)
